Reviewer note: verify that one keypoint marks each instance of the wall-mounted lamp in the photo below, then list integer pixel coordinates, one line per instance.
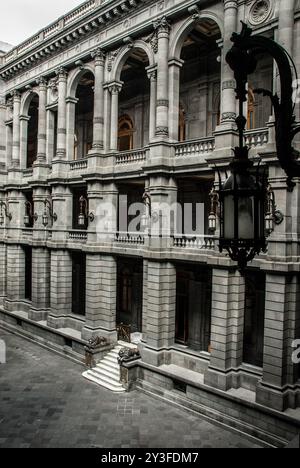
(84, 214)
(29, 215)
(273, 216)
(7, 214)
(214, 203)
(146, 217)
(48, 205)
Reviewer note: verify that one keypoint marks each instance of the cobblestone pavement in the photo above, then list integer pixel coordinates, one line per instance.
(46, 403)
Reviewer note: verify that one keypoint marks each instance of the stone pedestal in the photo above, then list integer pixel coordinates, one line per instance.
(227, 324)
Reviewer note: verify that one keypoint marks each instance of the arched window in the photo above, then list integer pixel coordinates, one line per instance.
(125, 134)
(32, 137)
(182, 124)
(251, 110)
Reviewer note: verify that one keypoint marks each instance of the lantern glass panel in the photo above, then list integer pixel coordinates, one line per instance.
(81, 220)
(229, 216)
(246, 218)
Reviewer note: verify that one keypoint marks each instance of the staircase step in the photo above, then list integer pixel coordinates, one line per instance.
(103, 383)
(104, 378)
(108, 368)
(111, 359)
(107, 373)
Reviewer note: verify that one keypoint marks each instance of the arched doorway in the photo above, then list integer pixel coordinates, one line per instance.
(134, 102)
(130, 294)
(32, 131)
(200, 79)
(84, 115)
(125, 133)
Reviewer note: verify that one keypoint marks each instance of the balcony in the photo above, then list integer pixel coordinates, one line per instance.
(195, 242)
(77, 236)
(132, 238)
(193, 148)
(130, 157)
(257, 138)
(79, 165)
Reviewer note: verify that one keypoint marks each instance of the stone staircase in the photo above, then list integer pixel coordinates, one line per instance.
(107, 372)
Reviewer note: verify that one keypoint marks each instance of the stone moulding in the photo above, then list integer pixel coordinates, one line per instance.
(36, 49)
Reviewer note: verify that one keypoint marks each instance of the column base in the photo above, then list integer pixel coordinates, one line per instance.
(37, 314)
(153, 357)
(279, 399)
(88, 333)
(222, 380)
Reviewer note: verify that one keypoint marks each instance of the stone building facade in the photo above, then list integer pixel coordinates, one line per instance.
(122, 97)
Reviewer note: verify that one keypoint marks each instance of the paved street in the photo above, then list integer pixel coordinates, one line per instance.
(46, 403)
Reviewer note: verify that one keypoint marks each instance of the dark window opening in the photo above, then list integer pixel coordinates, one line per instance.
(32, 137)
(78, 283)
(28, 273)
(254, 318)
(130, 294)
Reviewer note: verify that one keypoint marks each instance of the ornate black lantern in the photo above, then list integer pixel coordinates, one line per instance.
(242, 211)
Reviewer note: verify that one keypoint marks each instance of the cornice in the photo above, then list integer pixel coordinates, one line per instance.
(88, 18)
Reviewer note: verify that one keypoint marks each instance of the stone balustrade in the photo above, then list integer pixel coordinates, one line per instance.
(79, 165)
(135, 238)
(257, 137)
(77, 236)
(195, 147)
(195, 242)
(128, 157)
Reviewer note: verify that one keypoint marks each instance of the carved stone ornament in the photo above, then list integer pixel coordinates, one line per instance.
(52, 85)
(111, 58)
(260, 11)
(162, 25)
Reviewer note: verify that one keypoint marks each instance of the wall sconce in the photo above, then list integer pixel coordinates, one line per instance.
(7, 214)
(214, 202)
(48, 204)
(146, 218)
(273, 216)
(29, 215)
(84, 214)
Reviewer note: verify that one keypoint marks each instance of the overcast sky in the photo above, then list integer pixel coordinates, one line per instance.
(20, 19)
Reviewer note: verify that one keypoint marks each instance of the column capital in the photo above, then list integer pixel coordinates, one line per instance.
(230, 4)
(99, 56)
(152, 73)
(42, 82)
(16, 94)
(115, 87)
(61, 73)
(162, 26)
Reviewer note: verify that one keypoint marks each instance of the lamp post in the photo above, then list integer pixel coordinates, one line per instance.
(30, 216)
(247, 205)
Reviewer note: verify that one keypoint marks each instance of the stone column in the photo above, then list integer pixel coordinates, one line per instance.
(15, 273)
(16, 129)
(41, 152)
(24, 120)
(278, 387)
(98, 130)
(101, 297)
(61, 288)
(286, 25)
(62, 200)
(61, 119)
(3, 266)
(161, 312)
(9, 132)
(107, 118)
(227, 327)
(152, 75)
(162, 28)
(70, 126)
(174, 97)
(3, 162)
(40, 284)
(115, 89)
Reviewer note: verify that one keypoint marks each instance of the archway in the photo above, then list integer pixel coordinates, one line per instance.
(200, 78)
(32, 131)
(125, 133)
(134, 102)
(84, 114)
